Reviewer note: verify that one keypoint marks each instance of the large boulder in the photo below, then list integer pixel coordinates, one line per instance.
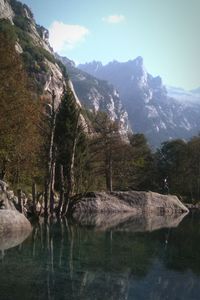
(132, 201)
(14, 226)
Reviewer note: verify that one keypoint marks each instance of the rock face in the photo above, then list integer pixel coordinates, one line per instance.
(6, 11)
(14, 227)
(97, 95)
(152, 110)
(137, 203)
(47, 75)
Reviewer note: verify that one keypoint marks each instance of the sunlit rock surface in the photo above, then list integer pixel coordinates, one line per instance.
(14, 226)
(135, 202)
(14, 229)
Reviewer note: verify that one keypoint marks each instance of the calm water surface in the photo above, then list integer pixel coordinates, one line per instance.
(67, 261)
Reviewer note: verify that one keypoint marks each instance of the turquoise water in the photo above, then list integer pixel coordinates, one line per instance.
(63, 260)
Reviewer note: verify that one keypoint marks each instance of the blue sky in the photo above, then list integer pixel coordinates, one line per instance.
(166, 33)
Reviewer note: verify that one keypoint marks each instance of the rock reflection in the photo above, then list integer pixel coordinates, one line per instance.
(12, 238)
(114, 259)
(128, 221)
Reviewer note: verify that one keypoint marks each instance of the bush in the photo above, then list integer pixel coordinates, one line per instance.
(63, 69)
(22, 22)
(8, 30)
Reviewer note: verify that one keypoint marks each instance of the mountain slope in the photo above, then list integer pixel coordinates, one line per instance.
(32, 43)
(150, 108)
(97, 95)
(46, 71)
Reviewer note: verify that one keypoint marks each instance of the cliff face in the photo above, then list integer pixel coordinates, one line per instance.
(6, 11)
(152, 109)
(32, 43)
(98, 95)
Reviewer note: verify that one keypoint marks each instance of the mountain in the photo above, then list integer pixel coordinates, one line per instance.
(32, 43)
(48, 72)
(152, 108)
(97, 95)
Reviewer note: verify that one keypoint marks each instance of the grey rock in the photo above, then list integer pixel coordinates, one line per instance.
(6, 11)
(152, 109)
(14, 228)
(6, 201)
(135, 202)
(3, 185)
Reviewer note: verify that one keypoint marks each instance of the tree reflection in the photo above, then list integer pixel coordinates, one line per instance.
(62, 260)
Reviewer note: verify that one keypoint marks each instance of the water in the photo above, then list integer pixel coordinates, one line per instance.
(113, 260)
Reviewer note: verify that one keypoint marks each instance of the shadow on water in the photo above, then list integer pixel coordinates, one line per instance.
(118, 259)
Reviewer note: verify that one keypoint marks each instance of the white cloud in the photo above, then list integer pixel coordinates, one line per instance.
(114, 19)
(63, 36)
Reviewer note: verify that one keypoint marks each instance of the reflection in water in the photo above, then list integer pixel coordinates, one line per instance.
(128, 221)
(12, 238)
(63, 260)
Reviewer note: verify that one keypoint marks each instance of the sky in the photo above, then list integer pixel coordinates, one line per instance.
(166, 33)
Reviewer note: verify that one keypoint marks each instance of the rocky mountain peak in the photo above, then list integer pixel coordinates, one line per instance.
(151, 109)
(139, 61)
(92, 67)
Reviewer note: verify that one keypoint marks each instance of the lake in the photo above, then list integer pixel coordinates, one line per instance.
(95, 259)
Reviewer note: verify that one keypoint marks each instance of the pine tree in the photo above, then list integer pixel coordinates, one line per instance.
(68, 135)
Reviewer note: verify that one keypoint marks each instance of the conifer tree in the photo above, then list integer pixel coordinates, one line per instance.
(67, 137)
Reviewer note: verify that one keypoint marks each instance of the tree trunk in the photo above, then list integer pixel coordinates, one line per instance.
(49, 199)
(66, 204)
(52, 188)
(70, 176)
(46, 199)
(109, 171)
(62, 190)
(34, 197)
(20, 201)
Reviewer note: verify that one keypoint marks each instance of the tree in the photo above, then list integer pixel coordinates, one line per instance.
(171, 159)
(68, 134)
(103, 149)
(19, 114)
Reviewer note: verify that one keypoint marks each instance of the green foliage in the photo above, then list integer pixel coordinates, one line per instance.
(8, 30)
(18, 116)
(68, 131)
(22, 22)
(135, 164)
(63, 69)
(34, 58)
(179, 162)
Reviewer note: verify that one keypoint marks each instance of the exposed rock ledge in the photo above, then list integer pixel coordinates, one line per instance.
(132, 201)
